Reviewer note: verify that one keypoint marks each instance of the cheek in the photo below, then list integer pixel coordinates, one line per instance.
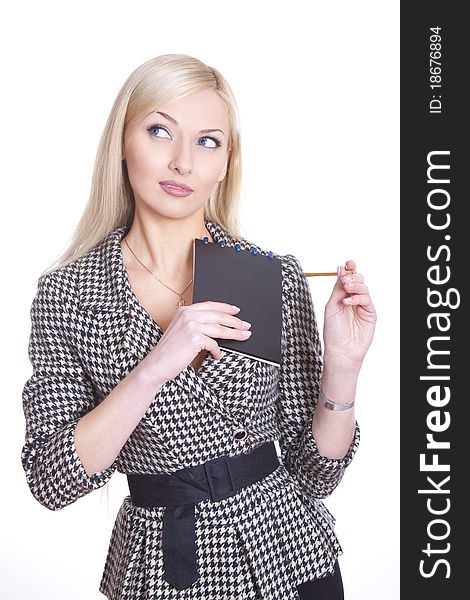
(142, 163)
(209, 170)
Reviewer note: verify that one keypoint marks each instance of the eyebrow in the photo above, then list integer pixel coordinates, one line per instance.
(170, 118)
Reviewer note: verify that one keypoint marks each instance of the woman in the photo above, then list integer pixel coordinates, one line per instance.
(127, 374)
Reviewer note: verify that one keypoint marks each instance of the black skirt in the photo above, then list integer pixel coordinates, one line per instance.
(325, 588)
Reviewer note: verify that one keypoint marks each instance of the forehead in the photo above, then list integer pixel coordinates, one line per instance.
(204, 108)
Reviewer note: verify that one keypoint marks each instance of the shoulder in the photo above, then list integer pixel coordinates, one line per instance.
(62, 286)
(54, 288)
(49, 305)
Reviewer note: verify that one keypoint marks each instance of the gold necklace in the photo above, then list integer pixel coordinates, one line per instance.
(181, 300)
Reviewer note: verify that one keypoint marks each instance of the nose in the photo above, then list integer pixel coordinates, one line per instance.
(181, 161)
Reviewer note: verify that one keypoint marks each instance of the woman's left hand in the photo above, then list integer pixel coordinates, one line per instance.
(350, 319)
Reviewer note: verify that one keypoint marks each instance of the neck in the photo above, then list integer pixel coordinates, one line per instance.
(165, 245)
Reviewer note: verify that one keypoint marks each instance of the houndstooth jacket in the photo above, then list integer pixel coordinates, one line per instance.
(88, 332)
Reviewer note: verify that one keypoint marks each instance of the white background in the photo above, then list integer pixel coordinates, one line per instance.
(317, 88)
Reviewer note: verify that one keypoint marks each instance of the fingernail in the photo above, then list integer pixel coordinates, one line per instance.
(338, 271)
(235, 307)
(347, 300)
(246, 323)
(247, 333)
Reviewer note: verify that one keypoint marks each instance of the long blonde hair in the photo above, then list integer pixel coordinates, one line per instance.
(160, 80)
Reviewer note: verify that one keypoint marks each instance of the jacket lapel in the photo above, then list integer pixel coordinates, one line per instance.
(127, 332)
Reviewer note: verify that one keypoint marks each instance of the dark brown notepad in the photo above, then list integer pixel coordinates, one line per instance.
(250, 281)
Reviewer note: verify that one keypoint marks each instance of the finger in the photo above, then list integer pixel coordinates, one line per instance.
(352, 287)
(345, 275)
(350, 266)
(214, 305)
(203, 342)
(214, 330)
(339, 292)
(356, 277)
(362, 300)
(215, 316)
(344, 288)
(213, 347)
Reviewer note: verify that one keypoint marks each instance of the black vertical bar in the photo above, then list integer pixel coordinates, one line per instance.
(435, 353)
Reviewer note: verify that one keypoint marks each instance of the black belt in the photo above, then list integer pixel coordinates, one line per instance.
(181, 490)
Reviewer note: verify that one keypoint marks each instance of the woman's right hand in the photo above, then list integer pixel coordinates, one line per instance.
(192, 330)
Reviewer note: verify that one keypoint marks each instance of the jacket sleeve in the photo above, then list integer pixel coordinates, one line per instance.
(55, 397)
(299, 384)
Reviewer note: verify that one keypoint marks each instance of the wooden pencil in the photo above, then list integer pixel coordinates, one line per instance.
(326, 274)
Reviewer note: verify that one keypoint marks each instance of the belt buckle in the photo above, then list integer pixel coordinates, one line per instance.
(219, 478)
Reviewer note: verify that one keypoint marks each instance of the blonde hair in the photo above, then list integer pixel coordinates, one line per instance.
(160, 80)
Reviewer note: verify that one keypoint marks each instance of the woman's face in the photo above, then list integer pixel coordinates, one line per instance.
(184, 142)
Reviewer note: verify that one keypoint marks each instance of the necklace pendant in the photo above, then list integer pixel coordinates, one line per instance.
(180, 303)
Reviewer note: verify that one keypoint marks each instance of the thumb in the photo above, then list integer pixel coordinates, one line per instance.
(339, 293)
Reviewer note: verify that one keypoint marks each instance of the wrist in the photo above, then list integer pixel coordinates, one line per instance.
(148, 374)
(335, 406)
(340, 364)
(339, 384)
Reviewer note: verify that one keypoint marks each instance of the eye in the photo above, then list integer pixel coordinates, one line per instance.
(153, 128)
(217, 143)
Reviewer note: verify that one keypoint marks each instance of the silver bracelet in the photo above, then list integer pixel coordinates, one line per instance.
(334, 405)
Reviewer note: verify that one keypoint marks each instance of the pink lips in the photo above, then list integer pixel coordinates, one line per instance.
(174, 188)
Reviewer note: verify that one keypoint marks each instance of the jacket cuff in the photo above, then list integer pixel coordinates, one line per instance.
(86, 482)
(56, 474)
(311, 459)
(315, 474)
